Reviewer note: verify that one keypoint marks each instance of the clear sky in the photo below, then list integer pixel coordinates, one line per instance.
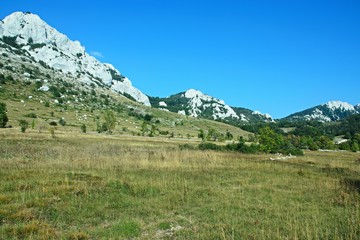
(275, 56)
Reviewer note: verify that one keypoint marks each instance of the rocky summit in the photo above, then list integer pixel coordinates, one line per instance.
(32, 37)
(327, 112)
(197, 104)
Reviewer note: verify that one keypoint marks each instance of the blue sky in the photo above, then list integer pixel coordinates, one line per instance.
(278, 57)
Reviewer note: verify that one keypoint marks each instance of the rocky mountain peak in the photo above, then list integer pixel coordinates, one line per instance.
(327, 112)
(45, 44)
(333, 105)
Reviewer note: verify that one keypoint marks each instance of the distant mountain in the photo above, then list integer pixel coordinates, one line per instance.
(357, 107)
(197, 104)
(30, 48)
(25, 34)
(328, 112)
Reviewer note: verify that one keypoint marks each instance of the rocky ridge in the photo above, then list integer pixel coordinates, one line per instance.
(32, 36)
(327, 112)
(197, 104)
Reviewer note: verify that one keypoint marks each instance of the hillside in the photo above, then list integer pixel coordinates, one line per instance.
(26, 35)
(45, 77)
(51, 64)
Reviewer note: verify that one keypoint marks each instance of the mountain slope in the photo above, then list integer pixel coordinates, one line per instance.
(357, 107)
(197, 104)
(30, 36)
(328, 112)
(253, 116)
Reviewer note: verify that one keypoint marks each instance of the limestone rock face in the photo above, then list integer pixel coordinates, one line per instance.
(44, 43)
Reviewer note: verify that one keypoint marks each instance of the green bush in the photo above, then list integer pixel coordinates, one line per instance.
(243, 148)
(31, 115)
(23, 125)
(3, 116)
(53, 123)
(209, 146)
(62, 121)
(83, 128)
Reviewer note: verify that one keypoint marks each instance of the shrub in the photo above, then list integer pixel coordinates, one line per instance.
(3, 116)
(83, 128)
(34, 46)
(242, 147)
(31, 115)
(23, 125)
(62, 121)
(38, 84)
(148, 117)
(11, 41)
(52, 132)
(53, 123)
(30, 40)
(209, 146)
(186, 146)
(101, 127)
(110, 120)
(2, 77)
(9, 78)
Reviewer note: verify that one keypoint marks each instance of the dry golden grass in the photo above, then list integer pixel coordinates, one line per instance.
(90, 186)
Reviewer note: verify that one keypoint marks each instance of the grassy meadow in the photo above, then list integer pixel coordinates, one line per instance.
(88, 186)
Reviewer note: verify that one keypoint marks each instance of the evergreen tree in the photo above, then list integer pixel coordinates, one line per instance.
(83, 128)
(3, 116)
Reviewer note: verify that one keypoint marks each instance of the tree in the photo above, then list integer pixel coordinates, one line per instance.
(144, 128)
(229, 136)
(3, 117)
(148, 117)
(152, 131)
(83, 128)
(355, 147)
(201, 134)
(212, 135)
(110, 120)
(33, 124)
(23, 125)
(269, 140)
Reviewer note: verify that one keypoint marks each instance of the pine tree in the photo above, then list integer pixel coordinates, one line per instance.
(3, 116)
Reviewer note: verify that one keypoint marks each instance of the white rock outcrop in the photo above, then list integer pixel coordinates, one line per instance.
(199, 102)
(44, 43)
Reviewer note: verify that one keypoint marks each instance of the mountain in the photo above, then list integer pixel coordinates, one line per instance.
(328, 112)
(197, 104)
(27, 35)
(357, 107)
(32, 50)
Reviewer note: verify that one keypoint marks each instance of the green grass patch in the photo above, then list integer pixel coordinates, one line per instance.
(96, 187)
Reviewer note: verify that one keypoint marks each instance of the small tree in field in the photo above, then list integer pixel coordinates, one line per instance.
(23, 125)
(3, 117)
(201, 134)
(109, 120)
(83, 128)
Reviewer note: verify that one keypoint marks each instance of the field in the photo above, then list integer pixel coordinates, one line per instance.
(91, 186)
